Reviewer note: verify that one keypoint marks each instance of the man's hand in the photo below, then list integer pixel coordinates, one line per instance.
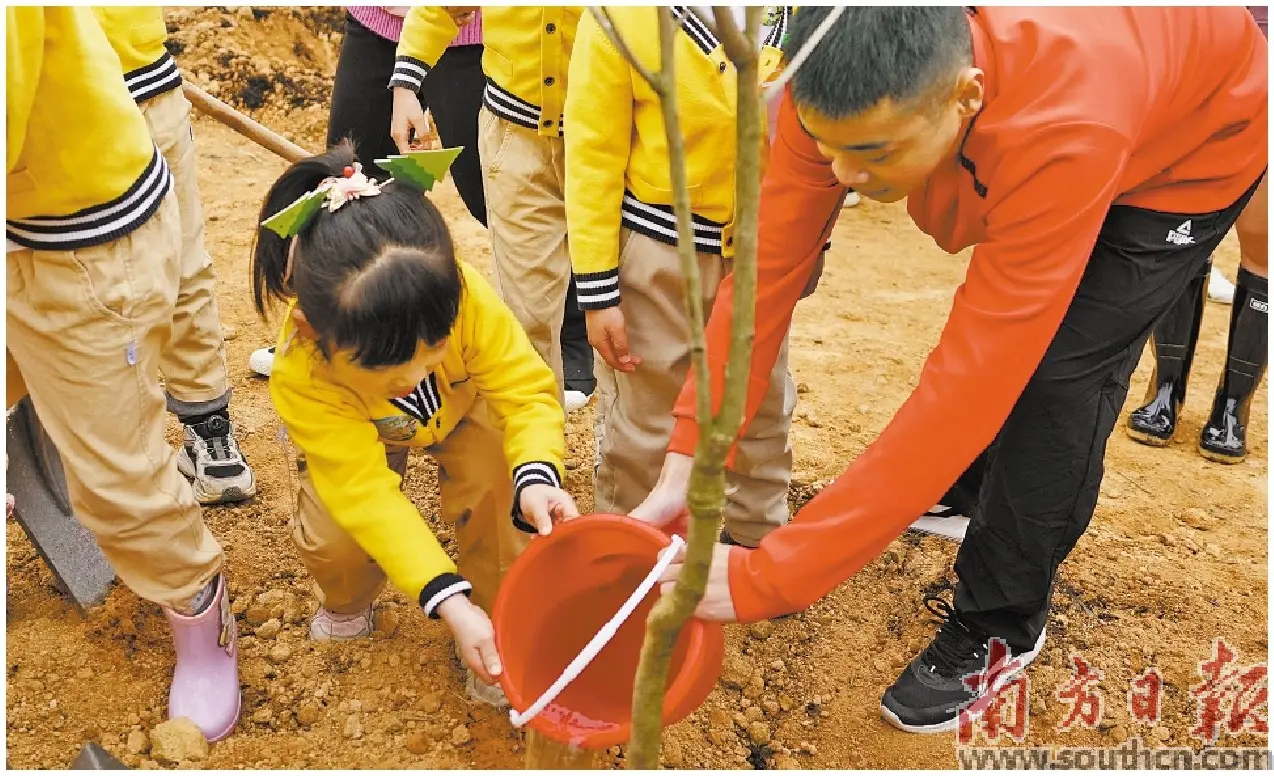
(609, 337)
(474, 635)
(717, 605)
(411, 128)
(665, 507)
(543, 505)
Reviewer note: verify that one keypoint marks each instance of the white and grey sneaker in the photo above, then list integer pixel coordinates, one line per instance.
(262, 361)
(942, 520)
(210, 458)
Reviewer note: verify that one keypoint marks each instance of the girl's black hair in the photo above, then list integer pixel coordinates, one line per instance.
(377, 277)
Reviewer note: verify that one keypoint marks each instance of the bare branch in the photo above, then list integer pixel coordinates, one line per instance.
(708, 477)
(743, 49)
(799, 59)
(734, 40)
(608, 26)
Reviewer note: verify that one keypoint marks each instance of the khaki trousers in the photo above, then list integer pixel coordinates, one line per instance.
(634, 410)
(524, 178)
(476, 494)
(194, 363)
(87, 330)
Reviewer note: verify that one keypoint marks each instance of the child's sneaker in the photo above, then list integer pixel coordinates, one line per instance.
(330, 626)
(262, 361)
(210, 458)
(478, 690)
(575, 400)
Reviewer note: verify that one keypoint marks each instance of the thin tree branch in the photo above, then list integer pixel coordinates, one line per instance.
(743, 49)
(707, 483)
(799, 58)
(608, 26)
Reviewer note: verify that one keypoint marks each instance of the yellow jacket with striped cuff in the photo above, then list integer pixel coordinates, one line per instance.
(137, 33)
(343, 430)
(82, 168)
(527, 50)
(617, 172)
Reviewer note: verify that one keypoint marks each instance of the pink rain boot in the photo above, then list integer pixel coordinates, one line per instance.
(205, 686)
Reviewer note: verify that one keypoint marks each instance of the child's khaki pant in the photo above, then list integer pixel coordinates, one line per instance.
(476, 494)
(87, 330)
(524, 177)
(634, 410)
(194, 363)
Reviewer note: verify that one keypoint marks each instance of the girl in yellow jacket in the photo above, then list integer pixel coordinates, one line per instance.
(391, 343)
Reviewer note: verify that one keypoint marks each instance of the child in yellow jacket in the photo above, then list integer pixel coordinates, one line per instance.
(196, 383)
(520, 130)
(93, 271)
(390, 343)
(623, 249)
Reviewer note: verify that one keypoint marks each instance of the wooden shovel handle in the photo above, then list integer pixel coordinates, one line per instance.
(242, 124)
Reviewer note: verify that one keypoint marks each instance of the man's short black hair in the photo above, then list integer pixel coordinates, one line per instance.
(874, 53)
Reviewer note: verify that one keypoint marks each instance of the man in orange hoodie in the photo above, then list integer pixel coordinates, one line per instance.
(1094, 157)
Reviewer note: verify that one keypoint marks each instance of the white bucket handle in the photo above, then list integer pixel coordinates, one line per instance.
(602, 638)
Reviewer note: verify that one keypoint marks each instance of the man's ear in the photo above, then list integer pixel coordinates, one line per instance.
(302, 324)
(970, 91)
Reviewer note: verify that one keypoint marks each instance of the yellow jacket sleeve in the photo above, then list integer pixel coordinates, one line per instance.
(24, 55)
(599, 122)
(518, 387)
(427, 31)
(346, 462)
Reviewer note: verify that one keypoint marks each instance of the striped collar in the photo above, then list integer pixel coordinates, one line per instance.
(695, 28)
(707, 42)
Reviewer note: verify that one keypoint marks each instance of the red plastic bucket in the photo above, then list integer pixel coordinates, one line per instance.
(557, 596)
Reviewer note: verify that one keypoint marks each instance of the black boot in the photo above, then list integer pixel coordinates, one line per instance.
(1174, 339)
(1224, 438)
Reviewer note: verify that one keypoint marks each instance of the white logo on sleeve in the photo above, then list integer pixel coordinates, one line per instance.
(1181, 235)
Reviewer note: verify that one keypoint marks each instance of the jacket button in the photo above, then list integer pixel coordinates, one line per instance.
(729, 242)
(721, 67)
(548, 122)
(550, 28)
(550, 81)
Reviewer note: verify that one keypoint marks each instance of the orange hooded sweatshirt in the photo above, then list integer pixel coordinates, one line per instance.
(1158, 108)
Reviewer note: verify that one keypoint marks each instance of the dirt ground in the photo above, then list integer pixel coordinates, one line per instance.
(1176, 555)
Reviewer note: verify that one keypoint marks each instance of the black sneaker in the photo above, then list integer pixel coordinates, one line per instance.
(928, 696)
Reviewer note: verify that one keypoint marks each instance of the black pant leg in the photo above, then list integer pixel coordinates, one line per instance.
(1043, 475)
(362, 104)
(577, 354)
(453, 91)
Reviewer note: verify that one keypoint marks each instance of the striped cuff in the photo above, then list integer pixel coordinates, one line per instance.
(659, 223)
(597, 290)
(409, 72)
(531, 473)
(99, 224)
(154, 79)
(440, 589)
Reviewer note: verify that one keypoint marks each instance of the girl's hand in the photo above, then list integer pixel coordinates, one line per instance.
(542, 505)
(474, 635)
(411, 128)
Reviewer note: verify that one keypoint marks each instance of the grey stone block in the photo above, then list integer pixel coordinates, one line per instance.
(43, 509)
(94, 758)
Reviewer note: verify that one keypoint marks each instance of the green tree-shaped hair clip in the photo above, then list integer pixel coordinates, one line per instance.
(419, 169)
